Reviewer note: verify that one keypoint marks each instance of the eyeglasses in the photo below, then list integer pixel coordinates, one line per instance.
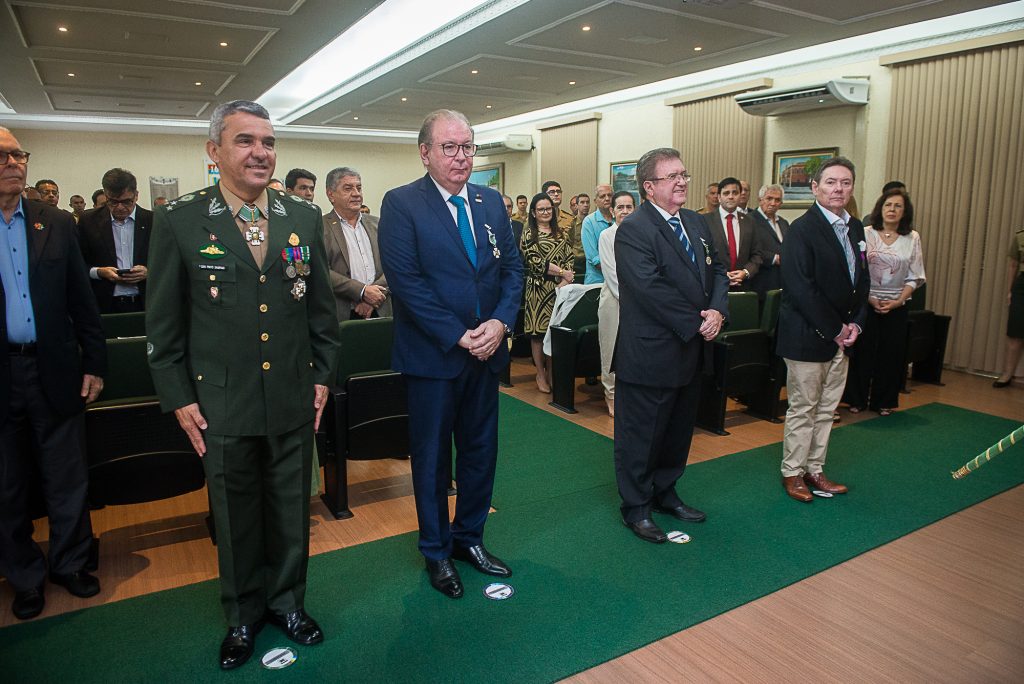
(543, 210)
(19, 156)
(121, 202)
(674, 178)
(452, 149)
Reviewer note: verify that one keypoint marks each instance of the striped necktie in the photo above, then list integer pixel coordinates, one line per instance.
(677, 227)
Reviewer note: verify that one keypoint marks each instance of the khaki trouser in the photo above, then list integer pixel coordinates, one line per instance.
(607, 331)
(814, 390)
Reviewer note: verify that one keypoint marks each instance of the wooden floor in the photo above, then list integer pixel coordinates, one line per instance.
(944, 604)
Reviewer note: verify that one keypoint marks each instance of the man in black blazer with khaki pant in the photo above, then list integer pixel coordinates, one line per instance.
(673, 298)
(824, 296)
(54, 363)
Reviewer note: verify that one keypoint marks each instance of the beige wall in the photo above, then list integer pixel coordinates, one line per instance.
(77, 161)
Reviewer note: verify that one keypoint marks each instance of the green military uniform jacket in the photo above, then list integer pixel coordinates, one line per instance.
(229, 335)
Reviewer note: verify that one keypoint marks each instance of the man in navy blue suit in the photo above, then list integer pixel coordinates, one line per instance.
(453, 267)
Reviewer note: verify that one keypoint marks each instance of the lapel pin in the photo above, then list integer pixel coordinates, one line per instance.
(478, 198)
(278, 208)
(38, 226)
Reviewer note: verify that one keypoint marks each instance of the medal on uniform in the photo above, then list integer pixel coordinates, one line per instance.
(253, 235)
(293, 240)
(214, 292)
(296, 261)
(299, 289)
(707, 252)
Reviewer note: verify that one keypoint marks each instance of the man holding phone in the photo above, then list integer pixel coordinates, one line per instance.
(115, 245)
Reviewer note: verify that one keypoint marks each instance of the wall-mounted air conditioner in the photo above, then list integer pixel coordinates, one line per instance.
(510, 143)
(840, 92)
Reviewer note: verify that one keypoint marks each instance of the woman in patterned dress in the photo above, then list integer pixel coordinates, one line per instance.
(547, 251)
(896, 264)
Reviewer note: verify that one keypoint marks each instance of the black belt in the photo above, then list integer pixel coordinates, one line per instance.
(127, 298)
(21, 349)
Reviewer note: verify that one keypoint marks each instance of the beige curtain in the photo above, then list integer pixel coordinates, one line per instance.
(955, 139)
(569, 156)
(717, 139)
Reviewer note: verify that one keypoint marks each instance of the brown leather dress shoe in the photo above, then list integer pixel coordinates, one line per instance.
(796, 489)
(819, 481)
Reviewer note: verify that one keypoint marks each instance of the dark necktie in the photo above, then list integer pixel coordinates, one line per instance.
(465, 230)
(677, 227)
(731, 234)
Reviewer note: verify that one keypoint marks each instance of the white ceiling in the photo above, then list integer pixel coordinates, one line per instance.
(163, 59)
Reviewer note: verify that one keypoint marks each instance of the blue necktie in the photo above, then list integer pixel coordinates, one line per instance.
(465, 230)
(678, 228)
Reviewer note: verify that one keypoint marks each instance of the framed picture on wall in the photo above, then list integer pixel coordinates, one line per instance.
(490, 176)
(793, 170)
(623, 177)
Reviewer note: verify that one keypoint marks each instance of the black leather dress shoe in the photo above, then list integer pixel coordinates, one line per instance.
(238, 645)
(79, 583)
(27, 604)
(299, 627)
(445, 578)
(482, 560)
(683, 512)
(647, 530)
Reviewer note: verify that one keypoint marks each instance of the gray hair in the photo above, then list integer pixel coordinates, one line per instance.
(774, 186)
(645, 168)
(835, 161)
(427, 129)
(335, 176)
(225, 110)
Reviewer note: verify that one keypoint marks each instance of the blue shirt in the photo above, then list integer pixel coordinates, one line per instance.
(593, 226)
(124, 247)
(21, 327)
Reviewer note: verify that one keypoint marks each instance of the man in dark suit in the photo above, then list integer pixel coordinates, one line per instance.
(243, 342)
(517, 225)
(824, 303)
(736, 241)
(770, 230)
(450, 259)
(115, 245)
(672, 299)
(350, 236)
(55, 360)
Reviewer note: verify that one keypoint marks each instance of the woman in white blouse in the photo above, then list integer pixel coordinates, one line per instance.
(608, 308)
(896, 264)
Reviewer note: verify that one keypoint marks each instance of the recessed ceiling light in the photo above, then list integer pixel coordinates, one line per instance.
(572, 82)
(585, 28)
(199, 83)
(489, 106)
(71, 74)
(698, 48)
(62, 29)
(355, 118)
(820, 101)
(404, 99)
(223, 44)
(474, 71)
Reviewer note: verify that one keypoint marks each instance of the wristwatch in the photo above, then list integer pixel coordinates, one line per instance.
(508, 330)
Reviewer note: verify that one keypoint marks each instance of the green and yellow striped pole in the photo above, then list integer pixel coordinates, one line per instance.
(990, 453)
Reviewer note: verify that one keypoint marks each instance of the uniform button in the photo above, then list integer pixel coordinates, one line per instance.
(199, 377)
(263, 308)
(310, 364)
(263, 278)
(266, 365)
(264, 337)
(213, 277)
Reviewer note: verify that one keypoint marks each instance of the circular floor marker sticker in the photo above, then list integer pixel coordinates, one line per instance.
(278, 658)
(677, 537)
(823, 495)
(498, 591)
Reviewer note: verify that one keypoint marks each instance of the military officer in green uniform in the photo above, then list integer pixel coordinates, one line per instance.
(242, 342)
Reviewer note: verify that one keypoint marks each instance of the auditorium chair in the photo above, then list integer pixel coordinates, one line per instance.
(366, 417)
(575, 352)
(124, 325)
(766, 402)
(135, 452)
(741, 362)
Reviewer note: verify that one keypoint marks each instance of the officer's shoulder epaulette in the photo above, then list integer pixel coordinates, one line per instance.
(298, 199)
(190, 198)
